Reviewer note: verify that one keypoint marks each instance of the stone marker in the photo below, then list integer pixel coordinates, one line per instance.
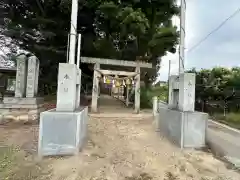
(66, 93)
(32, 77)
(20, 89)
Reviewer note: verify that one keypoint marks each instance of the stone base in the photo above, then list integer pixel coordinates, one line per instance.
(186, 129)
(22, 101)
(21, 109)
(62, 133)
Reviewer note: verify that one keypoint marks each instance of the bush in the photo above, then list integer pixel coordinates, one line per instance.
(145, 98)
(231, 119)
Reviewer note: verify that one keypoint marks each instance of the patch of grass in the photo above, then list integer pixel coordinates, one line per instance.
(170, 176)
(7, 158)
(231, 119)
(16, 165)
(142, 176)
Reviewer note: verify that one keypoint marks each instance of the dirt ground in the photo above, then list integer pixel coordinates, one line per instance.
(116, 149)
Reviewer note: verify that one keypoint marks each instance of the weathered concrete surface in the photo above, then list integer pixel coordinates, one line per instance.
(62, 133)
(223, 140)
(186, 129)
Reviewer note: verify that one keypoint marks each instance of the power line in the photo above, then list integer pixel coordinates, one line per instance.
(214, 30)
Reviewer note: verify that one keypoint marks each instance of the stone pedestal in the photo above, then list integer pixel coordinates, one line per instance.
(30, 107)
(62, 133)
(186, 129)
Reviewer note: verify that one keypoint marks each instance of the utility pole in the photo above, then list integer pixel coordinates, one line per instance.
(169, 68)
(73, 32)
(169, 73)
(182, 36)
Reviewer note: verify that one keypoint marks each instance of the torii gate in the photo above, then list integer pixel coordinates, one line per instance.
(98, 72)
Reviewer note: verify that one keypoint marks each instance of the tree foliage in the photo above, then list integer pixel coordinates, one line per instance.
(129, 29)
(219, 85)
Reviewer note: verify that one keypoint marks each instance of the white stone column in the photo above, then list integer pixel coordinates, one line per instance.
(66, 92)
(32, 77)
(187, 83)
(137, 90)
(21, 76)
(155, 105)
(95, 89)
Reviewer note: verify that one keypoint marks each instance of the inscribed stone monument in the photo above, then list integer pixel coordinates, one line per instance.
(32, 77)
(20, 90)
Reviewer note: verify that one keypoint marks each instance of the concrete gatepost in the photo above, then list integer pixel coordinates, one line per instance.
(179, 122)
(137, 90)
(63, 130)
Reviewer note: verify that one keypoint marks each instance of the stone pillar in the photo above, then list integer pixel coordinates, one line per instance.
(21, 76)
(32, 77)
(37, 77)
(155, 105)
(127, 96)
(66, 92)
(95, 88)
(137, 90)
(187, 83)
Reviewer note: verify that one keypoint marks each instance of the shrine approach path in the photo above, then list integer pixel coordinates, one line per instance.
(126, 147)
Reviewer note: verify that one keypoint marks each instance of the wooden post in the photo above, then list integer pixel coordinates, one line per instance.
(95, 89)
(137, 90)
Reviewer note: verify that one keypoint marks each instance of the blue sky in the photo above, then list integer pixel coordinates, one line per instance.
(220, 49)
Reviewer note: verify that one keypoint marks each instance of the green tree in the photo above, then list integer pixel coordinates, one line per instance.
(130, 29)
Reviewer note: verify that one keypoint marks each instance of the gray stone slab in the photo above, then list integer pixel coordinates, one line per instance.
(20, 106)
(62, 133)
(23, 101)
(186, 129)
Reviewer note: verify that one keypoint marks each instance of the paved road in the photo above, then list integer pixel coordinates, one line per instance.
(224, 140)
